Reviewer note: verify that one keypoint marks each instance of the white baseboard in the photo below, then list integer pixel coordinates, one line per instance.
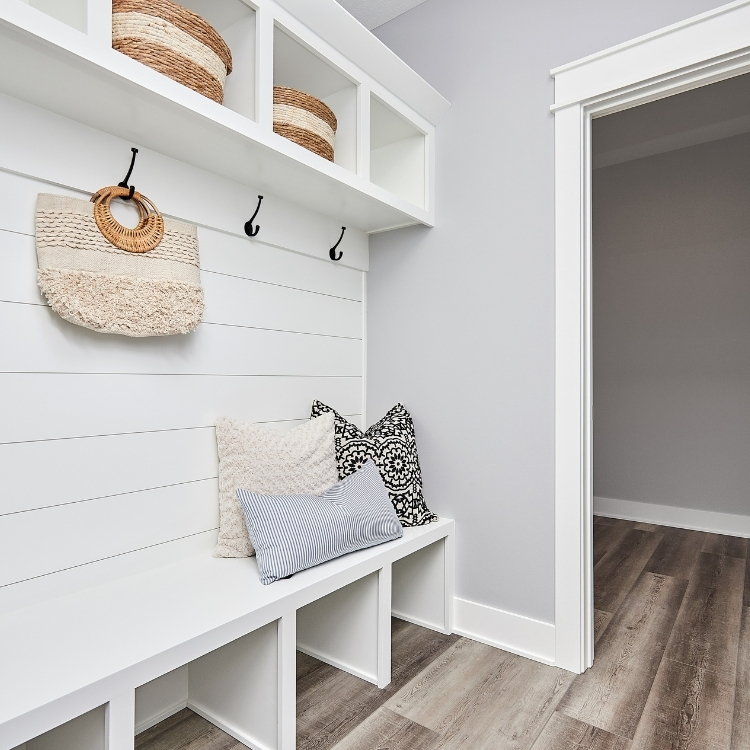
(230, 729)
(152, 721)
(510, 632)
(668, 515)
(320, 656)
(420, 622)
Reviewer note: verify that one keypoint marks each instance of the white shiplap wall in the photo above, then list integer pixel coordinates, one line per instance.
(107, 449)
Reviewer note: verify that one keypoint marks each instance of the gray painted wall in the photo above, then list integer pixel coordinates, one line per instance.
(671, 320)
(461, 317)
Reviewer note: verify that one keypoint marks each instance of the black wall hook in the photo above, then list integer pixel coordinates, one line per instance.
(124, 183)
(251, 231)
(332, 251)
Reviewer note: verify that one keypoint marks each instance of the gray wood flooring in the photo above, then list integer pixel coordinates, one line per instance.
(672, 669)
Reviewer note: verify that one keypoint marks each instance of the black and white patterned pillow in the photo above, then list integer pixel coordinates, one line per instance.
(392, 445)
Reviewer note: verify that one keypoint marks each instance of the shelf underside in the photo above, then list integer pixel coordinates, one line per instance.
(131, 101)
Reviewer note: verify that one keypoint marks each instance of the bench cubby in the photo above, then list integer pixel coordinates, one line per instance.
(236, 687)
(419, 581)
(85, 732)
(246, 688)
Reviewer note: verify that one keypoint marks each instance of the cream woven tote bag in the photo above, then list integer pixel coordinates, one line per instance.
(90, 282)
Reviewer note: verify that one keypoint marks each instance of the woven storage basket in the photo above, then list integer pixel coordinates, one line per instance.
(305, 120)
(173, 40)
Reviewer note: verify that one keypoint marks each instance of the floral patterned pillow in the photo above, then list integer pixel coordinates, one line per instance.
(392, 445)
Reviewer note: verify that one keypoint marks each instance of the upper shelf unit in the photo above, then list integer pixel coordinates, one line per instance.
(57, 54)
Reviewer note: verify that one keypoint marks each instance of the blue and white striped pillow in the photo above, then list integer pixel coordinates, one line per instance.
(294, 532)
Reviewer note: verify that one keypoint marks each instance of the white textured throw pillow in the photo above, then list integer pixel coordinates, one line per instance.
(263, 459)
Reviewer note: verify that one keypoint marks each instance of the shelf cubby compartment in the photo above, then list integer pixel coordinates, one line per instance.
(85, 732)
(70, 12)
(235, 21)
(297, 66)
(398, 152)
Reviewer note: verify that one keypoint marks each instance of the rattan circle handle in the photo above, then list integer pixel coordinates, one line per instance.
(142, 238)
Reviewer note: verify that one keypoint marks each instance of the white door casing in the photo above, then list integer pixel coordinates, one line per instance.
(701, 50)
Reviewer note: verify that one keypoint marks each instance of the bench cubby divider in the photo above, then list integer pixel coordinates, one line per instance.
(119, 721)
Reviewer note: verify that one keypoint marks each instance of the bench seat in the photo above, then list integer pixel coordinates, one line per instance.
(67, 656)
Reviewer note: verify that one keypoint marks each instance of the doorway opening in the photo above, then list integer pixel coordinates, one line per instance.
(670, 344)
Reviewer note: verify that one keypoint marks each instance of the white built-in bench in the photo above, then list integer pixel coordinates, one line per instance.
(97, 665)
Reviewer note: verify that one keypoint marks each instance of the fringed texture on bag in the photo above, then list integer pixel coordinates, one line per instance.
(126, 305)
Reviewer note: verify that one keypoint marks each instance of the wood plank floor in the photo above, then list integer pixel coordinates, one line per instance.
(671, 671)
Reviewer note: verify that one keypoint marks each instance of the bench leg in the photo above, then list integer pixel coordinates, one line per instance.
(287, 685)
(351, 628)
(384, 626)
(119, 722)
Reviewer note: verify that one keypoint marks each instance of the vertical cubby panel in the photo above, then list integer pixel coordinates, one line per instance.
(344, 105)
(298, 67)
(70, 12)
(85, 732)
(235, 21)
(397, 154)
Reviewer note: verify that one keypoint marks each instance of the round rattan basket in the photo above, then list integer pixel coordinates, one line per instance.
(305, 120)
(173, 40)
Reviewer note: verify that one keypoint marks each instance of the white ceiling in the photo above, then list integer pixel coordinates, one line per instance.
(373, 13)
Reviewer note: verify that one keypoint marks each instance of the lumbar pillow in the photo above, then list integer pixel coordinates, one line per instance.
(263, 459)
(294, 532)
(392, 445)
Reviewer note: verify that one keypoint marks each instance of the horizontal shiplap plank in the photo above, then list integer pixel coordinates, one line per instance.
(18, 277)
(18, 207)
(40, 406)
(230, 300)
(226, 253)
(235, 301)
(48, 473)
(34, 339)
(93, 574)
(54, 472)
(66, 536)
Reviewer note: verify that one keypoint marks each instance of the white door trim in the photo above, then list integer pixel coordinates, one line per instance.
(701, 50)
